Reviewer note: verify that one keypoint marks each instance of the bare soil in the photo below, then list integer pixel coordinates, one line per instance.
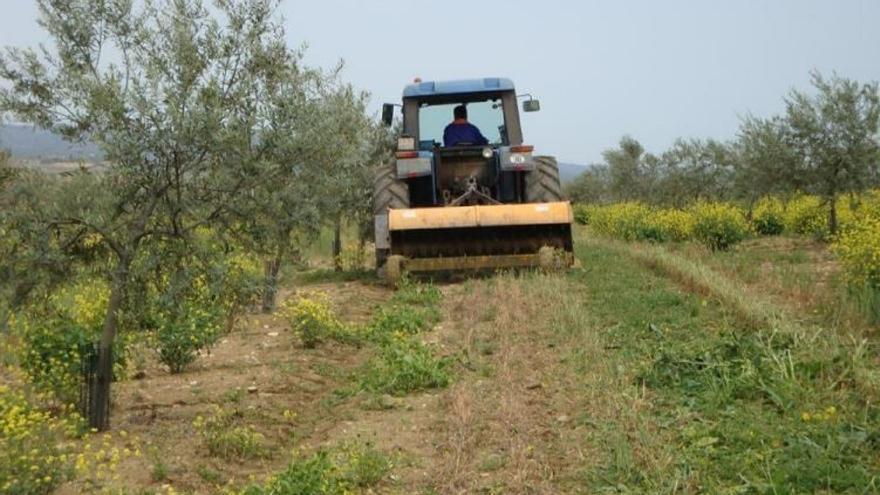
(505, 424)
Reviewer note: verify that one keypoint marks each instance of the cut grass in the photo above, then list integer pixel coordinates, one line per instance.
(748, 399)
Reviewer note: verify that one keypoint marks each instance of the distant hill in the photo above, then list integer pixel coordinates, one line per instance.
(36, 145)
(28, 143)
(568, 171)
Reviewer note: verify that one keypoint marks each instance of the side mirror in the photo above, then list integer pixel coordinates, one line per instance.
(531, 106)
(387, 114)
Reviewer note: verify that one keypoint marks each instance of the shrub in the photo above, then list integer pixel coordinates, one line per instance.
(405, 365)
(34, 457)
(719, 226)
(224, 437)
(312, 319)
(185, 330)
(768, 216)
(806, 215)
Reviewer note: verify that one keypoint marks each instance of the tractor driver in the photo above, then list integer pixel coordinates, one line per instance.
(460, 131)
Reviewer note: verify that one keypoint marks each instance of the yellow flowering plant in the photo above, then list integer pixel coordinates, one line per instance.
(36, 451)
(858, 249)
(768, 216)
(55, 333)
(806, 215)
(312, 319)
(718, 226)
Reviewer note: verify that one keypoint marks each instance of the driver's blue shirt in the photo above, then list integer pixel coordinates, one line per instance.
(463, 132)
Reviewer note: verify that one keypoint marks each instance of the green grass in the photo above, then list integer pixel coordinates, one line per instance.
(797, 273)
(722, 391)
(348, 468)
(403, 364)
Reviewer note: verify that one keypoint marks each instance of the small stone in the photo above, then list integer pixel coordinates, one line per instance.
(193, 383)
(562, 418)
(252, 389)
(272, 334)
(533, 385)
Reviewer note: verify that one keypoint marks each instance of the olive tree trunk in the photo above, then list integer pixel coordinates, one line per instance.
(337, 245)
(99, 397)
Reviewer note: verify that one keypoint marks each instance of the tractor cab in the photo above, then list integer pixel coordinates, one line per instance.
(464, 173)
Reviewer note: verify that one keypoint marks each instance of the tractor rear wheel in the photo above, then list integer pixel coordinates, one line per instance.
(388, 192)
(542, 184)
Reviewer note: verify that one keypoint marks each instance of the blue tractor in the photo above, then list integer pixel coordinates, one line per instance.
(467, 205)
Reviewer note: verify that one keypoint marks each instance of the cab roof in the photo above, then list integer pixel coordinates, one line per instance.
(438, 88)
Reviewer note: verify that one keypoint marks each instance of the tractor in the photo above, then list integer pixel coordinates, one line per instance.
(467, 206)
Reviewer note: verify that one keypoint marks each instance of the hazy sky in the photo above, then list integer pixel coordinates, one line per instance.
(655, 70)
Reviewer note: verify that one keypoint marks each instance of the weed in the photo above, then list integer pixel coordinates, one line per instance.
(233, 396)
(224, 437)
(361, 465)
(405, 365)
(35, 456)
(159, 470)
(336, 472)
(210, 475)
(313, 320)
(396, 319)
(416, 294)
(493, 462)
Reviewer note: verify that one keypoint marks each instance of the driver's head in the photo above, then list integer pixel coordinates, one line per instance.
(460, 112)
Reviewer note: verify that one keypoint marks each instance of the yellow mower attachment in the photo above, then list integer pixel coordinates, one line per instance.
(479, 237)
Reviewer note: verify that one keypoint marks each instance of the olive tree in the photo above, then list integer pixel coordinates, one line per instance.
(835, 134)
(168, 90)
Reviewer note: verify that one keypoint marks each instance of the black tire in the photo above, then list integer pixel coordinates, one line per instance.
(542, 184)
(388, 192)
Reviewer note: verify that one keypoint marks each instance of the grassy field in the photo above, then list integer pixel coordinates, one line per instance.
(648, 370)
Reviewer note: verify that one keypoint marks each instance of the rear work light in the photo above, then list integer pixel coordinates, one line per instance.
(406, 143)
(407, 154)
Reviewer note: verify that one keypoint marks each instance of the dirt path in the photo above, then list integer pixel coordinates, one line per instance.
(277, 388)
(507, 423)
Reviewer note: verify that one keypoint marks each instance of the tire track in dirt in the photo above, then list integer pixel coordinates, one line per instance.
(506, 424)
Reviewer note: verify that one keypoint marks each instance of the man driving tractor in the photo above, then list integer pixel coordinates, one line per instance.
(460, 131)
